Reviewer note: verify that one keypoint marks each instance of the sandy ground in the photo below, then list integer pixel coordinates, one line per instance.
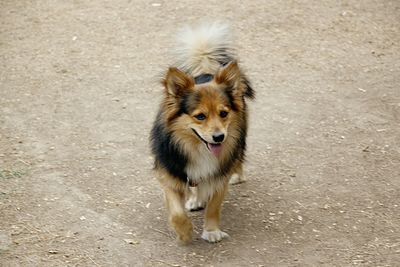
(78, 95)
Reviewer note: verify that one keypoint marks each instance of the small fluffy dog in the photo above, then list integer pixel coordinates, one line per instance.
(199, 136)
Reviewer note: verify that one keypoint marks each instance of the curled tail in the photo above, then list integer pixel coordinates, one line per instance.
(204, 49)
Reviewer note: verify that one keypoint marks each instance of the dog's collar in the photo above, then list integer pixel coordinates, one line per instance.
(203, 78)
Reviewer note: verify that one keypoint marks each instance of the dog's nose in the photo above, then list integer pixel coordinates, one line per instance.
(218, 137)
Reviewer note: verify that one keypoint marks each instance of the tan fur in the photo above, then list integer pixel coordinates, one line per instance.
(177, 216)
(174, 201)
(213, 209)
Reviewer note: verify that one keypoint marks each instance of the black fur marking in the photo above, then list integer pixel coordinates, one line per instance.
(167, 153)
(203, 78)
(249, 89)
(223, 56)
(188, 103)
(229, 93)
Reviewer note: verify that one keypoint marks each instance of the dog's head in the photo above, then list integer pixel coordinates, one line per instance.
(205, 111)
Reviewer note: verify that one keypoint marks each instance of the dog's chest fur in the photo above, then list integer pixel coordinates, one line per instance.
(202, 165)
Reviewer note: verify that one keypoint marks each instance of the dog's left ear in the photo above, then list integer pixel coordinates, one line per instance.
(230, 75)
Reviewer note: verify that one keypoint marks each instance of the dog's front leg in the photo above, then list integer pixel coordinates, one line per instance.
(211, 231)
(193, 202)
(177, 216)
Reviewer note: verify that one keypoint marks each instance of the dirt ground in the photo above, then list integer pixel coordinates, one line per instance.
(79, 90)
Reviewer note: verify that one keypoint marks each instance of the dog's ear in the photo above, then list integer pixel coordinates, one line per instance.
(177, 83)
(230, 76)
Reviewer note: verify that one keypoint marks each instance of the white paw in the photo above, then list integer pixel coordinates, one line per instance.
(214, 236)
(236, 179)
(194, 204)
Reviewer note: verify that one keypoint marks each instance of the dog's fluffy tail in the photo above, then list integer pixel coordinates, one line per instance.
(204, 49)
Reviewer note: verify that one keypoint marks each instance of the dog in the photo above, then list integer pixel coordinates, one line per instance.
(198, 138)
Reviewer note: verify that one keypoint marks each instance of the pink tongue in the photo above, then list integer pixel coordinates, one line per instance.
(215, 148)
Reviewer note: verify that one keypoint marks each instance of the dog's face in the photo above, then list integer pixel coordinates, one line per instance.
(204, 112)
(210, 117)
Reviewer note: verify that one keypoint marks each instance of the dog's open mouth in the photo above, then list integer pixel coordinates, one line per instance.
(215, 149)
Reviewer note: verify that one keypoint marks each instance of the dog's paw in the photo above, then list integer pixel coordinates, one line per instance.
(236, 179)
(214, 236)
(183, 228)
(193, 204)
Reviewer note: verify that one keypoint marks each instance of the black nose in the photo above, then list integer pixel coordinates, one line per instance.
(218, 137)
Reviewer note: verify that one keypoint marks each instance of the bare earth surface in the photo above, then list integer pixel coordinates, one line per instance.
(78, 95)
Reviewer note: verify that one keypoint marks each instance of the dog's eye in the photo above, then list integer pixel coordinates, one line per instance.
(200, 117)
(223, 114)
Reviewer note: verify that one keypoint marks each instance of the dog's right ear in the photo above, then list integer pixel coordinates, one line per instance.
(177, 83)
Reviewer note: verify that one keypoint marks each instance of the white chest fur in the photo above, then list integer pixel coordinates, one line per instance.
(202, 164)
(201, 169)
